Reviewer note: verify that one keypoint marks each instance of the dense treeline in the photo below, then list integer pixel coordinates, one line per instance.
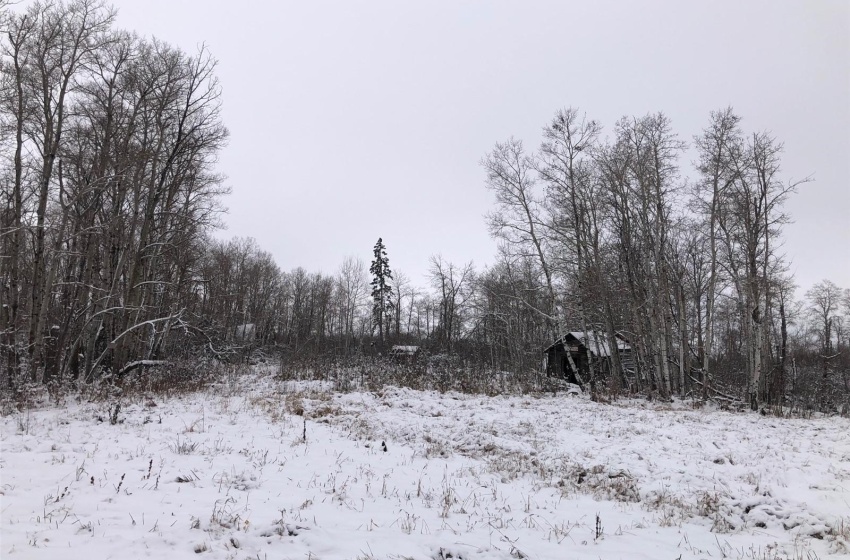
(109, 143)
(110, 196)
(689, 271)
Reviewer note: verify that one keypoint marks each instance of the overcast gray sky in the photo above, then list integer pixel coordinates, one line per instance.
(354, 120)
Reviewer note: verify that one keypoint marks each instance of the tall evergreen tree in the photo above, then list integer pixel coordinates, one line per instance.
(382, 291)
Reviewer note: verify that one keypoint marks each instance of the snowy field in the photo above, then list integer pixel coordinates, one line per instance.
(407, 474)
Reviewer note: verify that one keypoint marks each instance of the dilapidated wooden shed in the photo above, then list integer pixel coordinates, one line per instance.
(404, 354)
(576, 345)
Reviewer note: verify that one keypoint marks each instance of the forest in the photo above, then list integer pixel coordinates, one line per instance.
(111, 267)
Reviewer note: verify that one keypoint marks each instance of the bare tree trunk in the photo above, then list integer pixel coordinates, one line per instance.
(755, 349)
(683, 342)
(17, 37)
(50, 276)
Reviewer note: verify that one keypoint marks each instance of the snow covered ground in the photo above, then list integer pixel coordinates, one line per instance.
(403, 474)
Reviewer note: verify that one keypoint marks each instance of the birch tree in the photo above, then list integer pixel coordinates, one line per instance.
(517, 220)
(453, 285)
(716, 147)
(567, 170)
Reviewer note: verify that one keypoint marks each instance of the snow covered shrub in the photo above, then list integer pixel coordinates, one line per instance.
(178, 378)
(224, 515)
(183, 446)
(322, 411)
(294, 404)
(708, 504)
(670, 506)
(360, 429)
(840, 536)
(435, 447)
(604, 484)
(441, 368)
(345, 379)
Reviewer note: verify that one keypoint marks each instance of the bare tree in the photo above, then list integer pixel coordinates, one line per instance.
(453, 285)
(517, 220)
(824, 305)
(642, 174)
(113, 142)
(568, 173)
(15, 65)
(65, 38)
(750, 220)
(716, 147)
(401, 291)
(353, 289)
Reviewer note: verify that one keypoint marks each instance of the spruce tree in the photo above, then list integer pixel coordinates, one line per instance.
(382, 291)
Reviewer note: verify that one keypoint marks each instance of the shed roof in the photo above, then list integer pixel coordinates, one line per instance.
(399, 350)
(595, 340)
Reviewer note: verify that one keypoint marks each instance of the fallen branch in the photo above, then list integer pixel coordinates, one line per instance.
(222, 356)
(114, 341)
(718, 394)
(620, 474)
(142, 363)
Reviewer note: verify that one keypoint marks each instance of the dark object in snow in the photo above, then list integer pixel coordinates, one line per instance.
(444, 554)
(384, 446)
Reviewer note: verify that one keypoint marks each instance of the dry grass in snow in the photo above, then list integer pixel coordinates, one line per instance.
(408, 474)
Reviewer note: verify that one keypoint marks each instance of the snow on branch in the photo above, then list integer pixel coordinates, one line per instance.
(114, 341)
(142, 363)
